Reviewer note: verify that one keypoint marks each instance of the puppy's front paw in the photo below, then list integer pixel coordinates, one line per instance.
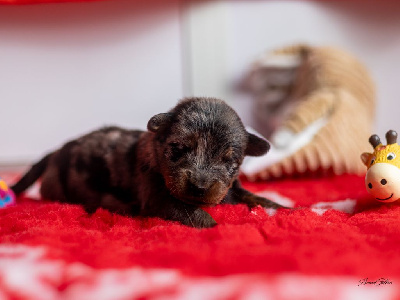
(188, 215)
(198, 219)
(254, 200)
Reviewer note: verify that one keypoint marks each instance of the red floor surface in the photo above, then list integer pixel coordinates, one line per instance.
(337, 236)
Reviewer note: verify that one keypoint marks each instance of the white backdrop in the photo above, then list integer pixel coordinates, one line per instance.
(68, 68)
(367, 28)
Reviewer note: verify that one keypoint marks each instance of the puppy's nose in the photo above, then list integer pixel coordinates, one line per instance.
(197, 191)
(198, 183)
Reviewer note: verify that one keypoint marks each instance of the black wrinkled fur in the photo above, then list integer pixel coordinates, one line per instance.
(189, 158)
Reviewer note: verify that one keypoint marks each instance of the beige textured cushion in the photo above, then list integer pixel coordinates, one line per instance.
(329, 85)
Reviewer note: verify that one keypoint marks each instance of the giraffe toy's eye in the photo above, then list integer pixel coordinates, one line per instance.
(372, 161)
(391, 156)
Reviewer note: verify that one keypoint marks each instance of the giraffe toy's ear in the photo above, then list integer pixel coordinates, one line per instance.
(366, 158)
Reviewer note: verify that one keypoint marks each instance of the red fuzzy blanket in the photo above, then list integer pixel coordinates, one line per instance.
(336, 244)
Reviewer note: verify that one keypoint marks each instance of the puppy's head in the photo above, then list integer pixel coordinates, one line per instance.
(199, 146)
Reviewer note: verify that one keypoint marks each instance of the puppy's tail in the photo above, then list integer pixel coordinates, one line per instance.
(31, 176)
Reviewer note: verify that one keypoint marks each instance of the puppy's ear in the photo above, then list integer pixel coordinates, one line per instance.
(158, 121)
(256, 146)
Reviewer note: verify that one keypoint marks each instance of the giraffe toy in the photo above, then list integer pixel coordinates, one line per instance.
(382, 179)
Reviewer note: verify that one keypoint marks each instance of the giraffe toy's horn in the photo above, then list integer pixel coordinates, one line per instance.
(374, 140)
(391, 137)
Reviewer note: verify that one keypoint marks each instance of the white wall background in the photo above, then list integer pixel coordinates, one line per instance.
(368, 29)
(69, 68)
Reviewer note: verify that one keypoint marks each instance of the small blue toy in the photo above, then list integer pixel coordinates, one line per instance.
(7, 197)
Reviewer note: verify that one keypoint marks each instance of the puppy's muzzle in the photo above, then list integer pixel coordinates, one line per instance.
(196, 190)
(202, 188)
(198, 183)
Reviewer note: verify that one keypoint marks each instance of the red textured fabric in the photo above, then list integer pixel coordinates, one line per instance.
(362, 243)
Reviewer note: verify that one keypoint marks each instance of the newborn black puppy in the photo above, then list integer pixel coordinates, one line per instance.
(189, 158)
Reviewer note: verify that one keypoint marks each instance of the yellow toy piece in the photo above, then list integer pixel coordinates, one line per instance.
(7, 197)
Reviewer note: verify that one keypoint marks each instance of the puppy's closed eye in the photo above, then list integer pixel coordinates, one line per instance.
(229, 159)
(177, 150)
(228, 156)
